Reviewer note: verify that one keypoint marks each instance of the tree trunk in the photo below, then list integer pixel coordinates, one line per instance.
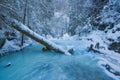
(24, 21)
(28, 32)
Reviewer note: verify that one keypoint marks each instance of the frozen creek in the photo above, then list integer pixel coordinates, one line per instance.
(33, 64)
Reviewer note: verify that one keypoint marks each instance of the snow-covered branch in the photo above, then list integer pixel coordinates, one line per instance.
(28, 32)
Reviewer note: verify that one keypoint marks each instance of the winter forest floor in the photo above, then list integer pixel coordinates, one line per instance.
(32, 63)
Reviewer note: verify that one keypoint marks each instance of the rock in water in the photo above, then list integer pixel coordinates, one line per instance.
(8, 64)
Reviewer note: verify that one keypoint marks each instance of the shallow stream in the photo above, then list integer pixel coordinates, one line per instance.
(33, 64)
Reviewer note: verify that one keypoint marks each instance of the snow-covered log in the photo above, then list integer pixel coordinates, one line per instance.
(33, 35)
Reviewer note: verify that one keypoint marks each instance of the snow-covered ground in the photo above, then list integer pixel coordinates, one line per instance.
(13, 46)
(108, 60)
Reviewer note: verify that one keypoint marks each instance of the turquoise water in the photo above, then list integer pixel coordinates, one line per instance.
(33, 64)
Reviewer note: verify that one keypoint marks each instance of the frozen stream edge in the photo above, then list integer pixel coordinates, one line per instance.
(108, 58)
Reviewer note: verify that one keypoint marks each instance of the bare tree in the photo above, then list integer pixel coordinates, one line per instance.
(24, 20)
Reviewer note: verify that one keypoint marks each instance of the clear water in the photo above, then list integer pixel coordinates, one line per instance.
(33, 64)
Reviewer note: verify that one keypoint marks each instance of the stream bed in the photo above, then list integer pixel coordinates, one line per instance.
(33, 64)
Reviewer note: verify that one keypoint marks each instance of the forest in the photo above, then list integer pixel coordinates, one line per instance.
(59, 39)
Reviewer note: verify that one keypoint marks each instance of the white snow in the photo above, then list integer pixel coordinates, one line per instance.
(80, 44)
(12, 46)
(50, 43)
(57, 14)
(109, 57)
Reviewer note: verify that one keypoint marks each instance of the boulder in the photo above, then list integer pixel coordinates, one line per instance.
(115, 46)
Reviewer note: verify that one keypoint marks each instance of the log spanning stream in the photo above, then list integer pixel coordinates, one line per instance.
(33, 64)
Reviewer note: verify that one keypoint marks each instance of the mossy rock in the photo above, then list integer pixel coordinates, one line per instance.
(2, 42)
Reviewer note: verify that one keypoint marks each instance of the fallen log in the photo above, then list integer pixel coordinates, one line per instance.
(94, 49)
(33, 35)
(111, 70)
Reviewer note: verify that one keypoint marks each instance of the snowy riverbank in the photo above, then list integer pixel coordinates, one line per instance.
(13, 46)
(107, 59)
